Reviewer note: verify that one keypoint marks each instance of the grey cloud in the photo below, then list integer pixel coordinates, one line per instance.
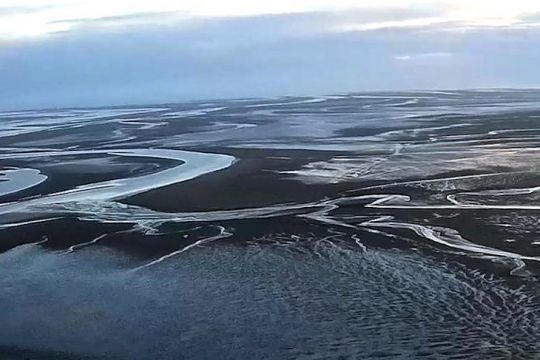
(531, 17)
(22, 10)
(243, 57)
(529, 20)
(123, 19)
(295, 23)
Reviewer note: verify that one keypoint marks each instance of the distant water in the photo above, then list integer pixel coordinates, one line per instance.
(372, 225)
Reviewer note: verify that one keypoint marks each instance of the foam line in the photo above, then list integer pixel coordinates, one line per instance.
(78, 246)
(23, 223)
(451, 238)
(222, 234)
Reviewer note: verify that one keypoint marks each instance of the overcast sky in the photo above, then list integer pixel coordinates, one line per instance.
(89, 53)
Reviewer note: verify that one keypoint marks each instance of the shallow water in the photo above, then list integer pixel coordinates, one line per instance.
(384, 225)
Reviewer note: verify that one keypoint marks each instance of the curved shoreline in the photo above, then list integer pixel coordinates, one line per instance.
(194, 164)
(19, 179)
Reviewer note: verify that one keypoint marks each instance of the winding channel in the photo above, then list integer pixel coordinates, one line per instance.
(194, 164)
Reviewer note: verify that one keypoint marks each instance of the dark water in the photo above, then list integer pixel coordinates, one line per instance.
(381, 225)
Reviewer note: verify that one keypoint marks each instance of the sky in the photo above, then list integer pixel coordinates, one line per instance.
(74, 53)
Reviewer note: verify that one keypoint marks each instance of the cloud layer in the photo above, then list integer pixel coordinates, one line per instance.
(27, 18)
(74, 53)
